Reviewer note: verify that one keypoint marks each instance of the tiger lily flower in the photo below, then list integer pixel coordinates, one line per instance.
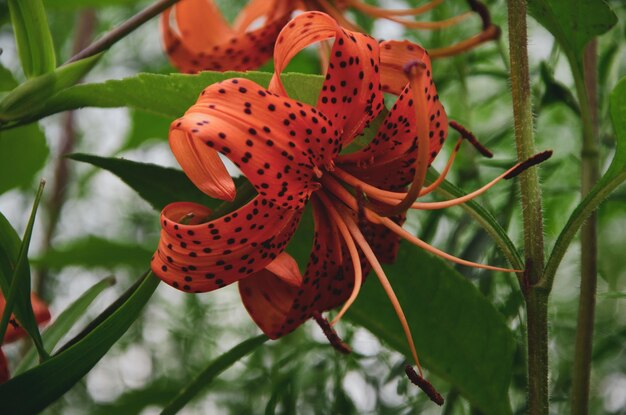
(203, 40)
(198, 37)
(291, 153)
(15, 331)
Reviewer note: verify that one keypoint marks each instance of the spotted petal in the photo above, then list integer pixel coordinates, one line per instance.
(197, 255)
(204, 41)
(279, 307)
(394, 148)
(278, 143)
(351, 94)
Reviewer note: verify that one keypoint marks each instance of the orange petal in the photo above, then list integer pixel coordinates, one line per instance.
(278, 143)
(351, 94)
(202, 165)
(14, 330)
(200, 256)
(279, 307)
(200, 22)
(205, 42)
(286, 268)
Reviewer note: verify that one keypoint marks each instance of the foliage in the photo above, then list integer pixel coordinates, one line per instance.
(101, 143)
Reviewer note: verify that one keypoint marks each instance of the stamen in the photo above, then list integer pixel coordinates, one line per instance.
(441, 24)
(187, 218)
(380, 12)
(384, 281)
(331, 334)
(466, 134)
(341, 193)
(335, 14)
(490, 33)
(354, 256)
(529, 162)
(424, 385)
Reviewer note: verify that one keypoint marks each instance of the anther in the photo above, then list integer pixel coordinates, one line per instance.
(331, 334)
(424, 385)
(528, 163)
(413, 68)
(482, 10)
(466, 134)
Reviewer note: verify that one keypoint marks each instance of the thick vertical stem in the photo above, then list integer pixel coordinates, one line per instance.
(587, 96)
(536, 296)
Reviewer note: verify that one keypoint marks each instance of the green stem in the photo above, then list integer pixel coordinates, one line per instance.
(586, 89)
(536, 297)
(122, 30)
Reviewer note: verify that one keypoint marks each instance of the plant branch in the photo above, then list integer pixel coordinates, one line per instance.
(123, 30)
(536, 297)
(586, 88)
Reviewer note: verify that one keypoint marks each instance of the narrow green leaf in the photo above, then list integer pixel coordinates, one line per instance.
(93, 251)
(158, 185)
(145, 126)
(19, 291)
(614, 176)
(31, 96)
(64, 322)
(32, 35)
(573, 22)
(167, 95)
(216, 367)
(58, 374)
(458, 334)
(23, 153)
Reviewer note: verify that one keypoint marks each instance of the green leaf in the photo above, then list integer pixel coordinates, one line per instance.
(168, 95)
(145, 126)
(614, 176)
(556, 92)
(18, 294)
(216, 367)
(573, 22)
(93, 251)
(23, 153)
(158, 185)
(58, 374)
(33, 38)
(458, 334)
(64, 322)
(31, 96)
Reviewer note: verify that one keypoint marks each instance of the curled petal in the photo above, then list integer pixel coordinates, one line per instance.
(286, 268)
(14, 330)
(278, 143)
(327, 283)
(204, 40)
(202, 165)
(200, 255)
(351, 94)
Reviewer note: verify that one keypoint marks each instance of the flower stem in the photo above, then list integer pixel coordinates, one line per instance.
(586, 88)
(123, 30)
(536, 297)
